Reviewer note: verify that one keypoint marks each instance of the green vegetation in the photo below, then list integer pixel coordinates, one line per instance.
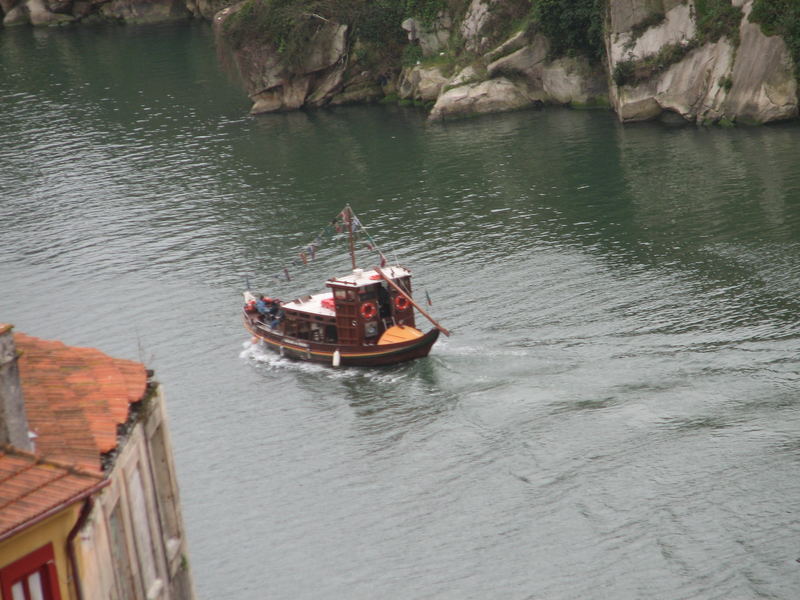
(653, 20)
(574, 27)
(780, 17)
(289, 25)
(425, 10)
(717, 18)
(631, 72)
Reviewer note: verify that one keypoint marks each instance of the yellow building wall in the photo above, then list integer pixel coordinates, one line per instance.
(53, 530)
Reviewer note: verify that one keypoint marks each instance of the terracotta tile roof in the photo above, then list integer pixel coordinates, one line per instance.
(32, 488)
(75, 398)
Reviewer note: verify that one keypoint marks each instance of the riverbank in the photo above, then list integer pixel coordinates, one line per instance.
(709, 61)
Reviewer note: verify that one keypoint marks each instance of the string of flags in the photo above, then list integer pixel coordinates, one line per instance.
(338, 225)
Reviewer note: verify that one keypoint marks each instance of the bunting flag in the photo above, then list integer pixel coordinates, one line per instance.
(345, 222)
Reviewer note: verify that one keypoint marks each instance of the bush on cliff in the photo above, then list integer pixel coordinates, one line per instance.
(288, 25)
(780, 17)
(572, 26)
(717, 18)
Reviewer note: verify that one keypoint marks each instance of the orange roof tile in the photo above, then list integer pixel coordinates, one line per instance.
(75, 398)
(32, 488)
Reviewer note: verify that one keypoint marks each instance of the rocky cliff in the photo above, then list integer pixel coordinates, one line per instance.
(704, 60)
(709, 61)
(727, 73)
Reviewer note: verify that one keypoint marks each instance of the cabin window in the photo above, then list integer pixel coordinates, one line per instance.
(330, 334)
(366, 296)
(371, 329)
(290, 328)
(302, 329)
(341, 294)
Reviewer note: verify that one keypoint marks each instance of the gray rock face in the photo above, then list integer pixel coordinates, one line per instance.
(520, 76)
(16, 16)
(421, 83)
(136, 11)
(752, 83)
(764, 87)
(431, 38)
(474, 23)
(527, 62)
(38, 13)
(678, 27)
(274, 86)
(492, 96)
(626, 14)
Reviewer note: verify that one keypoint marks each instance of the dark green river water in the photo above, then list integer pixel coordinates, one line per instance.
(615, 415)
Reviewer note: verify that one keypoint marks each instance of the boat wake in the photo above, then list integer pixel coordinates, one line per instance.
(259, 353)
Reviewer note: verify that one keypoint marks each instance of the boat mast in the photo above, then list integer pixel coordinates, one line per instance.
(349, 217)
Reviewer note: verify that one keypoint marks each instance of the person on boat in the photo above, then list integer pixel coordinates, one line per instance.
(262, 305)
(275, 313)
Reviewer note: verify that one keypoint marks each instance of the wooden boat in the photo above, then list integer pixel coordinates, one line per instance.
(365, 318)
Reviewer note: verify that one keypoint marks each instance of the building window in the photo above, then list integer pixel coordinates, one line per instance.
(120, 555)
(141, 530)
(33, 577)
(165, 491)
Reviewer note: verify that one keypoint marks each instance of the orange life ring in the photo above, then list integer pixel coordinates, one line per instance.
(401, 303)
(368, 310)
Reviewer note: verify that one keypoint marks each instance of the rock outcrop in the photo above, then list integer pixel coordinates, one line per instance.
(656, 57)
(431, 37)
(61, 12)
(752, 82)
(763, 84)
(490, 96)
(520, 75)
(273, 85)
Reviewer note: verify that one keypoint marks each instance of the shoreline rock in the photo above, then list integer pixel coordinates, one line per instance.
(470, 62)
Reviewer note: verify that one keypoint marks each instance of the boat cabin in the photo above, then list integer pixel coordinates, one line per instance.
(360, 307)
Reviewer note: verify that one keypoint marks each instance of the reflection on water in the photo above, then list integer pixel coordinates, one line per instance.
(616, 409)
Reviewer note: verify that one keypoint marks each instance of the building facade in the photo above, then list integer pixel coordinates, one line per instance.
(102, 421)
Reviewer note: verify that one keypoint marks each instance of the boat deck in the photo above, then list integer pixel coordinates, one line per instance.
(312, 304)
(360, 277)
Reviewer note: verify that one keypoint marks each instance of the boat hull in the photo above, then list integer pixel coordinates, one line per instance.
(349, 356)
